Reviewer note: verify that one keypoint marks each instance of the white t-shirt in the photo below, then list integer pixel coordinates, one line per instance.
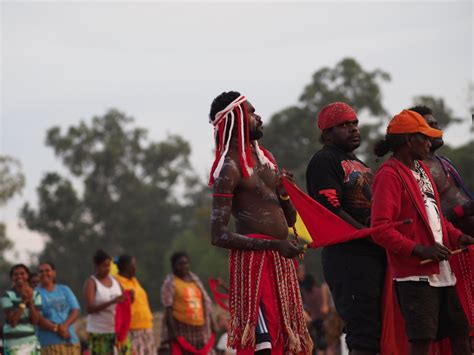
(445, 276)
(103, 322)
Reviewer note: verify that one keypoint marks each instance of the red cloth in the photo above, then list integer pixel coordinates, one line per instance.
(181, 344)
(123, 317)
(394, 340)
(325, 227)
(219, 297)
(265, 277)
(333, 114)
(397, 196)
(463, 267)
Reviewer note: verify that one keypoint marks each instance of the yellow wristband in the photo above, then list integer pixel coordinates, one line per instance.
(284, 197)
(22, 305)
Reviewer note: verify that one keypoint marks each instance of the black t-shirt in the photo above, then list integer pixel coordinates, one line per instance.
(338, 180)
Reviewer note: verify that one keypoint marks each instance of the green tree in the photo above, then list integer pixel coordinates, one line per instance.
(291, 134)
(12, 182)
(12, 179)
(127, 201)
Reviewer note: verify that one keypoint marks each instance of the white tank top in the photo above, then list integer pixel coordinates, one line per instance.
(104, 321)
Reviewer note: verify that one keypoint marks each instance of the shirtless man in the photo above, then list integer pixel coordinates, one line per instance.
(265, 304)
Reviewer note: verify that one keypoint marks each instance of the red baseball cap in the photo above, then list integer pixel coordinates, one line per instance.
(335, 113)
(411, 122)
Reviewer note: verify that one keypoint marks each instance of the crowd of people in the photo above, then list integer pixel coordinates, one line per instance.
(39, 316)
(274, 306)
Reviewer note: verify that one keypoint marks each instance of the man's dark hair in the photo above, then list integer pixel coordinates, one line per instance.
(19, 266)
(100, 256)
(176, 256)
(123, 261)
(422, 110)
(390, 143)
(50, 263)
(221, 102)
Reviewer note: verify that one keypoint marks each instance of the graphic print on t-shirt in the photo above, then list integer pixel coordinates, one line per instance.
(428, 198)
(358, 180)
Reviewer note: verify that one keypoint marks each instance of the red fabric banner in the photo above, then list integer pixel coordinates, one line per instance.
(325, 227)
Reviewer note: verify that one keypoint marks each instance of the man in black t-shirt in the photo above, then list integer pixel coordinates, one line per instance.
(354, 270)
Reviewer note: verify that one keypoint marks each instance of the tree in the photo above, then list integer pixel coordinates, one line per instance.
(292, 135)
(12, 179)
(12, 182)
(128, 200)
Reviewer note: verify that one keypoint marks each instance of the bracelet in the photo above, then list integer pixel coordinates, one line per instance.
(22, 305)
(223, 195)
(458, 211)
(56, 327)
(284, 197)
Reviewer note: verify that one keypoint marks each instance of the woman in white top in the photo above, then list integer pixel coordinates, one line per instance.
(102, 293)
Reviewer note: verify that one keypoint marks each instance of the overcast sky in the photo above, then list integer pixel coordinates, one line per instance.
(163, 63)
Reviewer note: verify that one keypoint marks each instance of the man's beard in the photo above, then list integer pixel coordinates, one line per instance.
(436, 143)
(255, 135)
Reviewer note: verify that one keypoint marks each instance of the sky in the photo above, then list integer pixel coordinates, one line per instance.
(163, 63)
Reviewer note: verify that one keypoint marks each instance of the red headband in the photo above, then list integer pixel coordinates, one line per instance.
(333, 114)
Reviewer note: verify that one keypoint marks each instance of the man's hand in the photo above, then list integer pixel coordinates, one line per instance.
(283, 174)
(287, 248)
(119, 299)
(465, 240)
(436, 252)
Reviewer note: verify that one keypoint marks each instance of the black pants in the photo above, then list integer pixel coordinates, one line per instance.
(356, 282)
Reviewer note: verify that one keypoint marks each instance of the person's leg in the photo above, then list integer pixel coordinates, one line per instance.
(420, 305)
(419, 347)
(453, 322)
(361, 299)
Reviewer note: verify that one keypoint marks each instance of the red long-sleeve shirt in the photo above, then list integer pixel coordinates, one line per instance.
(396, 196)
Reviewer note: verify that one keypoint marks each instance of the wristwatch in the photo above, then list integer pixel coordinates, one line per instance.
(56, 327)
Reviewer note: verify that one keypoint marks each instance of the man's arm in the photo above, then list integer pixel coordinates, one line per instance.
(221, 236)
(285, 202)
